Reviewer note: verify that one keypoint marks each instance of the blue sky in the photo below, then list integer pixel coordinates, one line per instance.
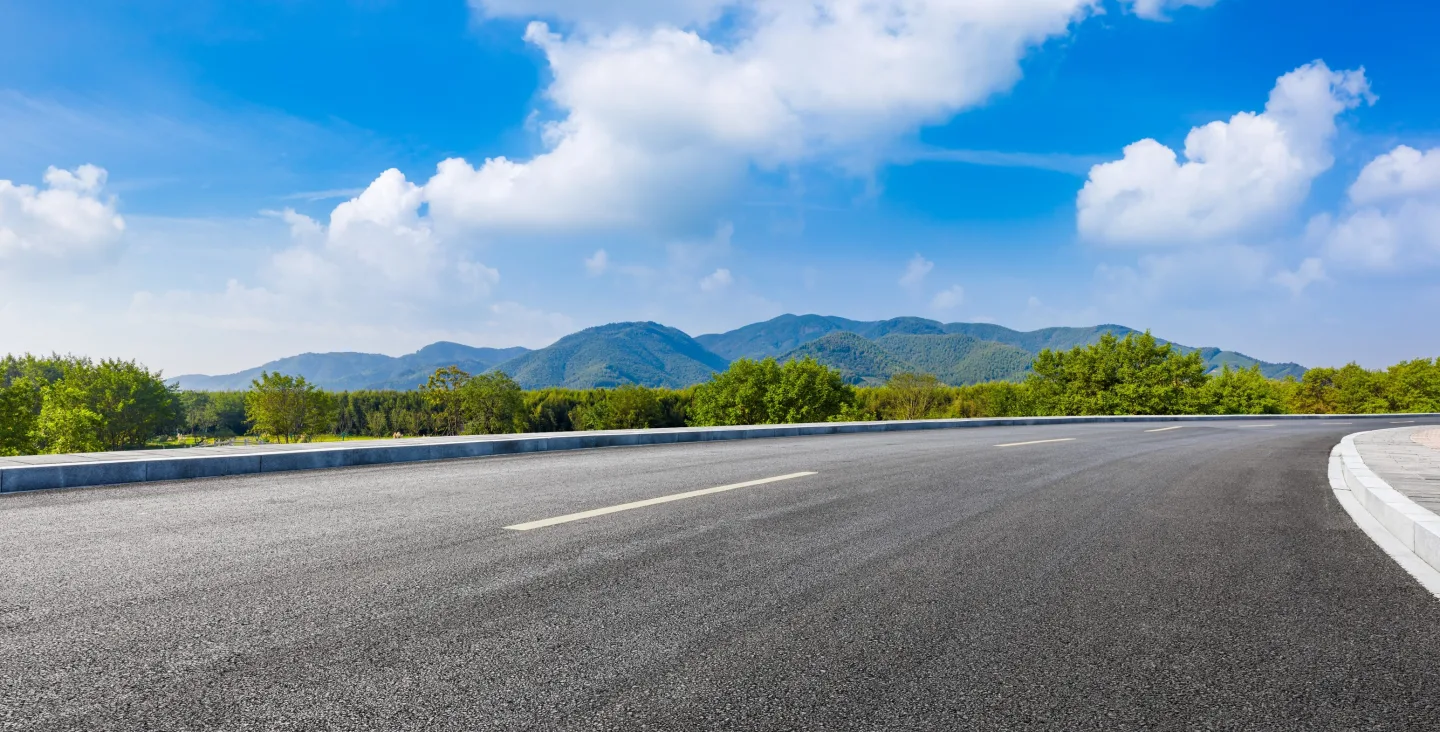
(234, 182)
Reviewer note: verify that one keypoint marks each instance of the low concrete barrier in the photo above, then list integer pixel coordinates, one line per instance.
(1416, 527)
(137, 470)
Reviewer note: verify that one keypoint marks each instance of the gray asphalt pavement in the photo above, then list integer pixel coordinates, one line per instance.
(1195, 578)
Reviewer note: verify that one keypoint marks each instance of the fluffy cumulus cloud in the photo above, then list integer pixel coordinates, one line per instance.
(1238, 177)
(1394, 213)
(68, 218)
(381, 238)
(657, 113)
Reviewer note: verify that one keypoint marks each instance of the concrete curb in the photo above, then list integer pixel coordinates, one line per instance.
(1415, 527)
(15, 479)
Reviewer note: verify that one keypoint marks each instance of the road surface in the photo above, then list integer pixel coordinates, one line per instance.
(1118, 576)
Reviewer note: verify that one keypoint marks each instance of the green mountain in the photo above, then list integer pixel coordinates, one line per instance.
(1035, 341)
(352, 371)
(859, 360)
(775, 337)
(958, 359)
(787, 332)
(648, 354)
(656, 355)
(955, 359)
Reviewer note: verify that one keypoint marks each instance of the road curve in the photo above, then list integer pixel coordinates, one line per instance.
(1082, 577)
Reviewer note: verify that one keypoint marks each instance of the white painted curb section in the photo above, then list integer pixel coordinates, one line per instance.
(1405, 530)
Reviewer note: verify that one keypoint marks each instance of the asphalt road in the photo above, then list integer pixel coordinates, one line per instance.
(1197, 578)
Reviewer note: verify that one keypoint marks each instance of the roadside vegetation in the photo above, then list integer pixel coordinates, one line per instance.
(72, 404)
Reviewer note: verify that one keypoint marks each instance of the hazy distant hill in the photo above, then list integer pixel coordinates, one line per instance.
(351, 371)
(787, 332)
(649, 354)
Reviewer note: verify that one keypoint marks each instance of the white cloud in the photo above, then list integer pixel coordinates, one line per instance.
(1156, 9)
(1401, 173)
(1309, 272)
(915, 272)
(948, 299)
(1238, 177)
(478, 277)
(1394, 216)
(378, 238)
(68, 218)
(658, 115)
(597, 263)
(716, 281)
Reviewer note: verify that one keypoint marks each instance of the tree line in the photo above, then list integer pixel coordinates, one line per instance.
(72, 404)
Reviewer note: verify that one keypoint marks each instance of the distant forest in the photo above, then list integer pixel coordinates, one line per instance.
(73, 404)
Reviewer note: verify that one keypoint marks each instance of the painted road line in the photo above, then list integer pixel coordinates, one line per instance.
(1404, 421)
(1167, 429)
(567, 518)
(1035, 442)
(1253, 426)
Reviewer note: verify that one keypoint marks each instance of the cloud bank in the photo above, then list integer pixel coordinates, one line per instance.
(1239, 177)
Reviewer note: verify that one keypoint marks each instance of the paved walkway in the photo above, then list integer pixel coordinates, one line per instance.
(1408, 459)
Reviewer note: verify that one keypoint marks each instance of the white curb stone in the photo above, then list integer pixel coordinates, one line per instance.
(1407, 531)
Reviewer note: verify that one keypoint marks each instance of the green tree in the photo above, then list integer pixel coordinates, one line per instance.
(807, 391)
(110, 405)
(1136, 375)
(548, 410)
(288, 406)
(493, 404)
(20, 403)
(1414, 386)
(1240, 391)
(995, 399)
(66, 422)
(912, 396)
(628, 407)
(737, 395)
(443, 393)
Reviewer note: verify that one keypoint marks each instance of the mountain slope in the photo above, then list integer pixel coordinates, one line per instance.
(1035, 341)
(352, 371)
(787, 332)
(648, 354)
(859, 360)
(774, 337)
(958, 359)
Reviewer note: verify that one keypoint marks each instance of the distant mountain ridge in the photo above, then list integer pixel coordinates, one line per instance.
(656, 355)
(781, 335)
(648, 354)
(354, 371)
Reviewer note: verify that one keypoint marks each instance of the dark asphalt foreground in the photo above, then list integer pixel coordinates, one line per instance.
(1201, 578)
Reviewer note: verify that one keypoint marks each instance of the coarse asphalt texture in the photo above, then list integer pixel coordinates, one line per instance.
(1195, 578)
